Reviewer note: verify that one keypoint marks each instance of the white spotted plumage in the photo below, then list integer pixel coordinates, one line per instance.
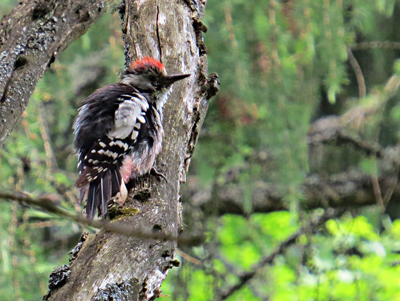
(118, 132)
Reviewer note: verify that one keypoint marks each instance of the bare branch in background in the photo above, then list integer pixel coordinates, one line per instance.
(350, 189)
(376, 45)
(267, 260)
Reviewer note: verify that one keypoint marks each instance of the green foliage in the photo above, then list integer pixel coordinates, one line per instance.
(282, 64)
(350, 261)
(278, 62)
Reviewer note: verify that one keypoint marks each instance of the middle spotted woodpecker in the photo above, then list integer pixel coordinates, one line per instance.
(119, 131)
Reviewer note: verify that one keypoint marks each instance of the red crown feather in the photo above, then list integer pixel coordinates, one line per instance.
(147, 62)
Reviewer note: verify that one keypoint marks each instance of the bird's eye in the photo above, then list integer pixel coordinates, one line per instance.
(154, 80)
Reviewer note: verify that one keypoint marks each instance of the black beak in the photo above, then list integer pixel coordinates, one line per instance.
(170, 79)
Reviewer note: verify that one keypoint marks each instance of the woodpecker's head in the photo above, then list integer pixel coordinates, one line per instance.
(149, 75)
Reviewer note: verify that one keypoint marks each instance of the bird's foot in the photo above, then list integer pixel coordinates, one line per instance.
(159, 175)
(120, 197)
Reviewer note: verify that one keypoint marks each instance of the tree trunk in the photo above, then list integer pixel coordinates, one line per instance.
(109, 266)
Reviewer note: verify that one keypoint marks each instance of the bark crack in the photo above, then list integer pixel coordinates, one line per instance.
(6, 87)
(158, 33)
(20, 62)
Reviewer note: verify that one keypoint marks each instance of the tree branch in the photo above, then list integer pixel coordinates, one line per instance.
(31, 38)
(114, 226)
(342, 190)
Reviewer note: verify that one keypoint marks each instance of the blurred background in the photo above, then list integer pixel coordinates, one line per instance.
(306, 124)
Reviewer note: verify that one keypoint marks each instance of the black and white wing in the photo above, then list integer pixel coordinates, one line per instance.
(106, 129)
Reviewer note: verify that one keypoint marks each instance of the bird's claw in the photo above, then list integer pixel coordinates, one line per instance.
(159, 175)
(120, 197)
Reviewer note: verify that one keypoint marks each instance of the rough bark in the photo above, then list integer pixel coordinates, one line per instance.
(109, 266)
(31, 38)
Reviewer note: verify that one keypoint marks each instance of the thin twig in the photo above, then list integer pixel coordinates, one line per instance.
(44, 132)
(188, 257)
(359, 75)
(376, 44)
(377, 191)
(389, 192)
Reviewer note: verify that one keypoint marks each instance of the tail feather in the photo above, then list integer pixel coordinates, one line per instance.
(82, 193)
(105, 191)
(92, 200)
(101, 190)
(116, 180)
